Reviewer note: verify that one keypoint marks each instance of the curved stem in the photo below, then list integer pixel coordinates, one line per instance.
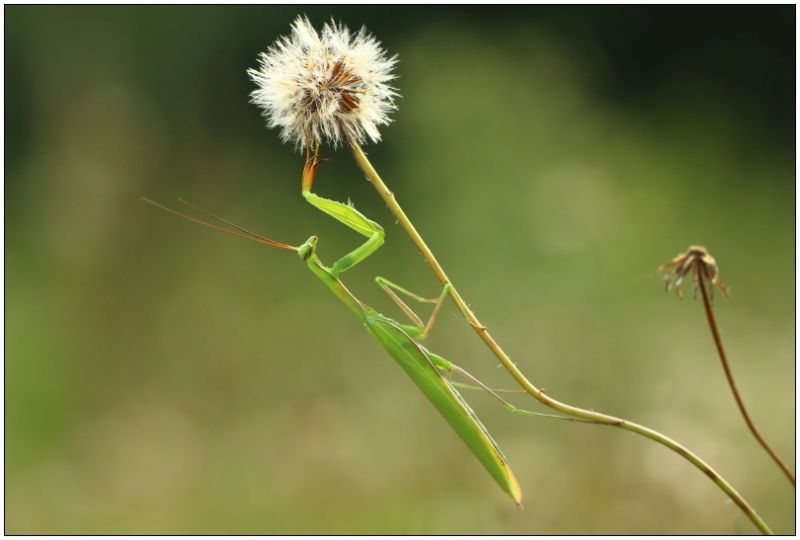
(718, 341)
(395, 208)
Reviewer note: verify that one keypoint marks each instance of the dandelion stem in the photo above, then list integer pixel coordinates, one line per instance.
(394, 207)
(718, 341)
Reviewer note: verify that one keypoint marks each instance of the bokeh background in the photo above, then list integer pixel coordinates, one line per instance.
(163, 378)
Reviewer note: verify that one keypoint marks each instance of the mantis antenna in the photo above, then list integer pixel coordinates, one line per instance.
(253, 236)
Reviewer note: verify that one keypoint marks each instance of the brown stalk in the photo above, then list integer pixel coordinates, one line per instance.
(704, 268)
(718, 341)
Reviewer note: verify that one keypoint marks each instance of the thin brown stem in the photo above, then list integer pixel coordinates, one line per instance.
(718, 341)
(397, 211)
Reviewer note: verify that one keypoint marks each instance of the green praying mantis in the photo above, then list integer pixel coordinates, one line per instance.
(431, 373)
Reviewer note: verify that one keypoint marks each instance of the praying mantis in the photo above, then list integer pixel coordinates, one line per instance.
(430, 372)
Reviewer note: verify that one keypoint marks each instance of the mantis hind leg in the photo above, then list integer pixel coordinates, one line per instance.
(449, 368)
(346, 214)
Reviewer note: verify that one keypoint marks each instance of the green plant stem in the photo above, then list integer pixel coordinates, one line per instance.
(718, 341)
(538, 394)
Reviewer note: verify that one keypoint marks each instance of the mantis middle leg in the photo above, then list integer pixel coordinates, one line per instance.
(420, 331)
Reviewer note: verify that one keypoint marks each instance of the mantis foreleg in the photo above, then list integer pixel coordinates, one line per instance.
(346, 214)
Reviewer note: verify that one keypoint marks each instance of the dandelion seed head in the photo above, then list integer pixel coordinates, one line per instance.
(331, 86)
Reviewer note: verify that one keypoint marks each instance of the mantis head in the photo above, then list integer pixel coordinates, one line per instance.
(308, 248)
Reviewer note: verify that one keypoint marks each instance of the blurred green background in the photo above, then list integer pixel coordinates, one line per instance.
(163, 378)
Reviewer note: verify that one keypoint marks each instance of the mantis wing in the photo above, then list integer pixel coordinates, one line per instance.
(416, 362)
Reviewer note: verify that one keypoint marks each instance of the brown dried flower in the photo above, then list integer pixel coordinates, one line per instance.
(701, 264)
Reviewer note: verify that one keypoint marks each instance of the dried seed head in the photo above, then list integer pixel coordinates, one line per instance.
(332, 85)
(701, 264)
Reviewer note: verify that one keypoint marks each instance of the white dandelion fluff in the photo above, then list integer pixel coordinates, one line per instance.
(332, 86)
